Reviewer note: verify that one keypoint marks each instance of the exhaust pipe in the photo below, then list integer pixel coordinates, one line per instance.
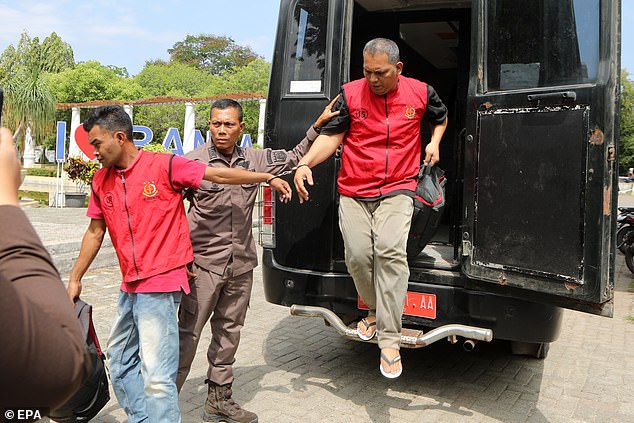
(469, 345)
(417, 340)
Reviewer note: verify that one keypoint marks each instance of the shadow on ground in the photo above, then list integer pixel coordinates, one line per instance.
(330, 376)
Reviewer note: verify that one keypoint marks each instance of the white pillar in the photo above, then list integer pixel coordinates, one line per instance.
(29, 148)
(75, 121)
(261, 122)
(128, 109)
(189, 128)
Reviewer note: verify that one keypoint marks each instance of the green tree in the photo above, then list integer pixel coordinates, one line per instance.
(159, 78)
(90, 81)
(55, 55)
(211, 53)
(9, 63)
(52, 55)
(626, 146)
(24, 72)
(29, 103)
(17, 61)
(252, 78)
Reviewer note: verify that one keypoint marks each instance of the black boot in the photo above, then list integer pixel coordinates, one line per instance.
(220, 407)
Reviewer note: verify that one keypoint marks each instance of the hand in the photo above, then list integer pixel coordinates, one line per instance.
(9, 169)
(74, 290)
(327, 114)
(283, 189)
(190, 272)
(432, 154)
(303, 173)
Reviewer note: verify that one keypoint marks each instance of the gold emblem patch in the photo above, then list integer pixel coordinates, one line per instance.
(410, 112)
(149, 189)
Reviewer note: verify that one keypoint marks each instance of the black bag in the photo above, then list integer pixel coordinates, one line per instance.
(93, 394)
(429, 203)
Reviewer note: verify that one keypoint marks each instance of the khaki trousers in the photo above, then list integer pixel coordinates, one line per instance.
(375, 239)
(222, 300)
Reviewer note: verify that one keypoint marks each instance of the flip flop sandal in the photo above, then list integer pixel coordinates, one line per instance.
(391, 363)
(367, 325)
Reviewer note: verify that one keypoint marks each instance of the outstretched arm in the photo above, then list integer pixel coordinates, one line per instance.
(222, 175)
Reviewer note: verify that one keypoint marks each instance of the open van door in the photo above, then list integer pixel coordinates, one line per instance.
(309, 66)
(540, 181)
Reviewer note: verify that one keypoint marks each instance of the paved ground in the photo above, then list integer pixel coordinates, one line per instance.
(292, 369)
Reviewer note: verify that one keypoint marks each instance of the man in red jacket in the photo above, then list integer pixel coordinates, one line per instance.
(379, 126)
(137, 196)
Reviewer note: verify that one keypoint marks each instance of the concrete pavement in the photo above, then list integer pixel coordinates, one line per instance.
(291, 369)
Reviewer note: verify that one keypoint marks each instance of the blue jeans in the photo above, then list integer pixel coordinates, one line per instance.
(143, 356)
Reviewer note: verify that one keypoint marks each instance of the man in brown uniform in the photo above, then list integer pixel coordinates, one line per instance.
(220, 220)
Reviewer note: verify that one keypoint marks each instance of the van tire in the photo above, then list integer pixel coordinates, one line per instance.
(629, 261)
(537, 350)
(624, 237)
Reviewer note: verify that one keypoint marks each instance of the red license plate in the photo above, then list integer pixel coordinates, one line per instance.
(416, 304)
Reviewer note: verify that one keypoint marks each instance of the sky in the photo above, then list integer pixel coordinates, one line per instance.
(128, 33)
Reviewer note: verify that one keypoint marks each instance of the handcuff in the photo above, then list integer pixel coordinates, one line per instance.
(287, 172)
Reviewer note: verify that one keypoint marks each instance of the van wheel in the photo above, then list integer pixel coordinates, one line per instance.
(534, 349)
(629, 261)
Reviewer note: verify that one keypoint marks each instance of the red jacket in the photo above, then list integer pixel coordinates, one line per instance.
(382, 148)
(144, 213)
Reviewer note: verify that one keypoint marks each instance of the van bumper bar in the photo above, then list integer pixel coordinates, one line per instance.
(409, 338)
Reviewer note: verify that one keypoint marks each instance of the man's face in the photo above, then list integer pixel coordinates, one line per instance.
(108, 145)
(382, 76)
(225, 127)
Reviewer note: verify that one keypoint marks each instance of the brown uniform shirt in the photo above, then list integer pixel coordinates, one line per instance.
(220, 216)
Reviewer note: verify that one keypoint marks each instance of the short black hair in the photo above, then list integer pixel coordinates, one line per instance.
(110, 118)
(227, 103)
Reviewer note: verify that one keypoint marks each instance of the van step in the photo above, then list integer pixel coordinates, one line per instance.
(409, 338)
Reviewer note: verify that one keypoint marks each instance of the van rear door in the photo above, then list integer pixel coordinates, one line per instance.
(309, 66)
(540, 189)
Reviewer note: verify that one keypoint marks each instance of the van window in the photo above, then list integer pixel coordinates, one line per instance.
(306, 47)
(541, 43)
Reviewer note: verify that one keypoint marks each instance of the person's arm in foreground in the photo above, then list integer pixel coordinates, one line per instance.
(44, 358)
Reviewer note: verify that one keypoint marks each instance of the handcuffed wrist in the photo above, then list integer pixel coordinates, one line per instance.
(300, 165)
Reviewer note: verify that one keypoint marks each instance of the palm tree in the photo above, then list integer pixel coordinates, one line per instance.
(29, 104)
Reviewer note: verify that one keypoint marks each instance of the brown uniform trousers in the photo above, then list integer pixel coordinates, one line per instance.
(220, 221)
